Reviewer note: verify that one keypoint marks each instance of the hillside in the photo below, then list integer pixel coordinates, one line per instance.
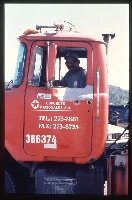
(118, 96)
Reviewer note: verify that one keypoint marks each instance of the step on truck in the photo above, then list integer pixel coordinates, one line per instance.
(56, 137)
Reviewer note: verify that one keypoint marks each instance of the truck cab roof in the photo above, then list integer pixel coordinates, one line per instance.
(59, 35)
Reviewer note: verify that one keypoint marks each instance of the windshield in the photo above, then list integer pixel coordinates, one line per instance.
(20, 65)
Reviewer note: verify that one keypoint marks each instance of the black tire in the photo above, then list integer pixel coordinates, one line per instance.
(14, 176)
(10, 185)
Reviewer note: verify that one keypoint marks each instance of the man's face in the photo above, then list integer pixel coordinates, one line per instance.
(72, 63)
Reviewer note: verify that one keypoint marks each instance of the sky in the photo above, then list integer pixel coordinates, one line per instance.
(95, 19)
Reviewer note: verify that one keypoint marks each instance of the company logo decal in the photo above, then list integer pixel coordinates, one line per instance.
(50, 106)
(35, 104)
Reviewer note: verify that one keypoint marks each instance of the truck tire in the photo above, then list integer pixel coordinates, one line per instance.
(10, 185)
(14, 176)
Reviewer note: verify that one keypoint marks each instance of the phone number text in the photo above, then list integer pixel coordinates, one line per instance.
(57, 118)
(59, 126)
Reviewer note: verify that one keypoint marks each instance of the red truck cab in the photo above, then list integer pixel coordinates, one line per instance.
(53, 123)
(59, 133)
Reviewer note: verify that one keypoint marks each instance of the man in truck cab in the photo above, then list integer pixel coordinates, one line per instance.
(76, 76)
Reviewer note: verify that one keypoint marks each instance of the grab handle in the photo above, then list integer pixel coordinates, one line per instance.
(97, 104)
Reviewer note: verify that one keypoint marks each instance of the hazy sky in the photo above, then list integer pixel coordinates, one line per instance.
(88, 18)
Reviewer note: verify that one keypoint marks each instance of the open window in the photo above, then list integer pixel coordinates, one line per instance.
(47, 63)
(60, 67)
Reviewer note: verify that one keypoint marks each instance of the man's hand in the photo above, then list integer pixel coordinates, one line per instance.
(56, 83)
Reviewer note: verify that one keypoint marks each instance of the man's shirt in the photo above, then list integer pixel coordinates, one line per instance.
(74, 80)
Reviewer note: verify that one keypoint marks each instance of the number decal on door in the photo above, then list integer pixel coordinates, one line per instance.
(49, 141)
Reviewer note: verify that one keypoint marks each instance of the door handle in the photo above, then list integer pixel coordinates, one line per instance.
(97, 103)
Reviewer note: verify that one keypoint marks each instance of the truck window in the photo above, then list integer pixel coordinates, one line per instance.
(20, 65)
(35, 66)
(60, 67)
(38, 64)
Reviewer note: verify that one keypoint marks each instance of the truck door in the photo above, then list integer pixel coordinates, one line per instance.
(58, 120)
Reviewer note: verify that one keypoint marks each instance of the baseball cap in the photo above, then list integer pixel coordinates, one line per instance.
(71, 54)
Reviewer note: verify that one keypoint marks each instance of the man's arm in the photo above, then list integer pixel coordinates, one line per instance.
(56, 83)
(61, 82)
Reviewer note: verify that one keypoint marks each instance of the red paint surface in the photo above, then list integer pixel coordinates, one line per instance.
(73, 145)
